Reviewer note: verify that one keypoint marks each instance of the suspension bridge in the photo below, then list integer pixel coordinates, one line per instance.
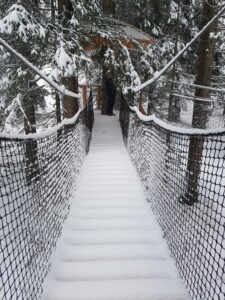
(89, 211)
(111, 245)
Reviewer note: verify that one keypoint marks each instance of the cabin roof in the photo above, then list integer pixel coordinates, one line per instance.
(124, 32)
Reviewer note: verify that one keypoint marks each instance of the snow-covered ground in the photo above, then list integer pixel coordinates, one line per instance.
(112, 247)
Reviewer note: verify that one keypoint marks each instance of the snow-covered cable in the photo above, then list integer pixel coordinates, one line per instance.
(198, 86)
(158, 74)
(194, 98)
(175, 129)
(38, 72)
(43, 134)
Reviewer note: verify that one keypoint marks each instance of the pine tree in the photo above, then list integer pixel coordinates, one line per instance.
(200, 117)
(205, 54)
(26, 34)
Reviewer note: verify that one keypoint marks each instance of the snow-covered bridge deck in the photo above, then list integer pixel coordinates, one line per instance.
(112, 247)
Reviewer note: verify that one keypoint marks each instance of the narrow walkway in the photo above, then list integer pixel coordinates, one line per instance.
(111, 247)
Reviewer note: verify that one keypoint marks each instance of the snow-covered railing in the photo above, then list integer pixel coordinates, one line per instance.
(172, 95)
(37, 177)
(176, 103)
(60, 89)
(183, 174)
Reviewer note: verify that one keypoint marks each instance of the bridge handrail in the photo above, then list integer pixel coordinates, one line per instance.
(222, 90)
(175, 129)
(60, 89)
(183, 175)
(43, 134)
(37, 177)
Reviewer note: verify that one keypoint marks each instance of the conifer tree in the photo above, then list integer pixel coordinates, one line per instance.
(206, 51)
(204, 75)
(24, 32)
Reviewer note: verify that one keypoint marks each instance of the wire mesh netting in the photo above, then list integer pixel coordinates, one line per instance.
(183, 175)
(36, 181)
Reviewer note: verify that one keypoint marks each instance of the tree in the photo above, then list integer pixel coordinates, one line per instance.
(174, 110)
(205, 60)
(25, 32)
(70, 105)
(200, 117)
(109, 7)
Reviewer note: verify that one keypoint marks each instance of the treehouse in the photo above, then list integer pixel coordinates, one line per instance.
(96, 46)
(127, 34)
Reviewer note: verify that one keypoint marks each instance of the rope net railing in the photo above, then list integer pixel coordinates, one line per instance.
(175, 102)
(183, 174)
(37, 178)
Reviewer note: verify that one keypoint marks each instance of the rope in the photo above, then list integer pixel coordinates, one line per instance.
(184, 180)
(158, 74)
(37, 178)
(34, 69)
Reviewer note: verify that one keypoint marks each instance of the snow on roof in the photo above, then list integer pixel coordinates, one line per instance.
(136, 33)
(131, 31)
(124, 32)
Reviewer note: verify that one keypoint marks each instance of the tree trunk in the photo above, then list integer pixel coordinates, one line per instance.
(65, 10)
(200, 115)
(104, 92)
(30, 119)
(70, 104)
(58, 108)
(204, 65)
(53, 10)
(174, 110)
(108, 7)
(32, 169)
(150, 110)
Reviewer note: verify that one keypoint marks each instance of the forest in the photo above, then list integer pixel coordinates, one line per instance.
(112, 147)
(76, 41)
